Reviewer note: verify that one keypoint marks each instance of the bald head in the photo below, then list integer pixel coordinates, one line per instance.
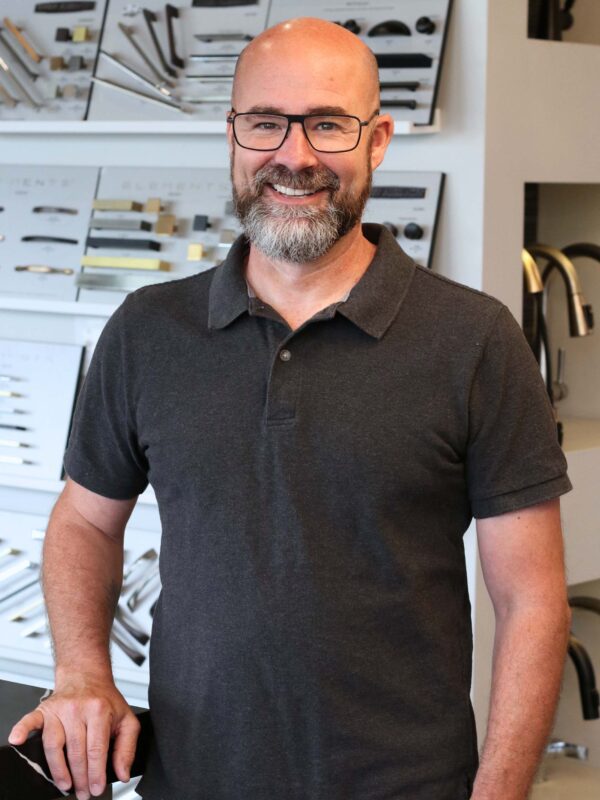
(336, 55)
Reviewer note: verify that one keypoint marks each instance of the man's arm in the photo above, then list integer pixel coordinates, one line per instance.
(523, 566)
(81, 575)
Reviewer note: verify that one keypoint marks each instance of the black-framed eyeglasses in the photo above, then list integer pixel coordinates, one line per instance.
(326, 133)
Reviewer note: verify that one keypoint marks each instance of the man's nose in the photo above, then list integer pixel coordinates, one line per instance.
(296, 152)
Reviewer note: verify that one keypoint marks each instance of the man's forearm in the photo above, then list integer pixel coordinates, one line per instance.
(529, 655)
(81, 575)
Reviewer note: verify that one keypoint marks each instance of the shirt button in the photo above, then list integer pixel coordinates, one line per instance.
(285, 355)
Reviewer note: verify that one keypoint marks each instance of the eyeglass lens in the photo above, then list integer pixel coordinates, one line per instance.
(267, 131)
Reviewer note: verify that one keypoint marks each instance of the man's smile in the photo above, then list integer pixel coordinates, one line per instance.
(289, 192)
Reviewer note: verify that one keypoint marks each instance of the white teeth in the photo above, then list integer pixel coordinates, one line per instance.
(290, 192)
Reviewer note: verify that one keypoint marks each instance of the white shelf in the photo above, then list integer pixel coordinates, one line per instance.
(56, 487)
(154, 128)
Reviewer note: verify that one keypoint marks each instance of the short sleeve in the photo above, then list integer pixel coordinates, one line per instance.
(514, 459)
(103, 453)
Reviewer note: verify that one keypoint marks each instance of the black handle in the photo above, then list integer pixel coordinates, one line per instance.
(171, 13)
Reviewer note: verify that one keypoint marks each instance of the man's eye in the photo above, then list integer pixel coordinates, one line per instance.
(327, 126)
(267, 126)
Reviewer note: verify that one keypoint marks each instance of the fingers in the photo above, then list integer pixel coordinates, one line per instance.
(53, 738)
(124, 749)
(34, 721)
(98, 735)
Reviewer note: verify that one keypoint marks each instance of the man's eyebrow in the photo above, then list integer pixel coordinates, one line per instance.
(326, 110)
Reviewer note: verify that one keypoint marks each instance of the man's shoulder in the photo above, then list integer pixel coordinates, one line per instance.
(451, 291)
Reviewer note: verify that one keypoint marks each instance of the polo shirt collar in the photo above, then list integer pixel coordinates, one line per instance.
(372, 304)
(228, 296)
(376, 299)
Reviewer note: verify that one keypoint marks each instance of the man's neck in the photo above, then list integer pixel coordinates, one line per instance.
(298, 291)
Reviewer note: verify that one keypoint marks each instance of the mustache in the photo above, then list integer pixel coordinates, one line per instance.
(311, 179)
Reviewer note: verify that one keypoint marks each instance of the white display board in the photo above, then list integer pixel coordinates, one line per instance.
(49, 60)
(38, 383)
(25, 646)
(44, 216)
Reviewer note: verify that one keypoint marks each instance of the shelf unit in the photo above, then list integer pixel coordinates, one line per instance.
(507, 121)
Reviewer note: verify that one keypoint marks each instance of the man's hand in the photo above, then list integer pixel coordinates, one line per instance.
(83, 714)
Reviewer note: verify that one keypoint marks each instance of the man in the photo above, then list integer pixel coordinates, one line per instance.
(320, 419)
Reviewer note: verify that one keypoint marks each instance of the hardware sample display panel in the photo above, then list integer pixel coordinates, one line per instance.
(47, 56)
(408, 204)
(172, 62)
(150, 225)
(38, 384)
(167, 62)
(23, 627)
(44, 215)
(407, 37)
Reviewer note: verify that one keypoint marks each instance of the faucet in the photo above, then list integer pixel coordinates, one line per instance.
(582, 249)
(590, 700)
(581, 319)
(534, 322)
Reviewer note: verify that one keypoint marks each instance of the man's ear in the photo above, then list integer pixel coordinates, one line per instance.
(382, 135)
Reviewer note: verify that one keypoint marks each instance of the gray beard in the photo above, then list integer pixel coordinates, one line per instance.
(297, 234)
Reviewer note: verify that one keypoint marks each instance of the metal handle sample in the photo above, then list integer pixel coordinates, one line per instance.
(223, 37)
(110, 262)
(146, 561)
(140, 95)
(119, 283)
(16, 569)
(14, 592)
(388, 103)
(157, 87)
(151, 18)
(108, 204)
(9, 551)
(36, 628)
(410, 86)
(173, 13)
(10, 442)
(129, 33)
(49, 239)
(13, 427)
(166, 225)
(137, 633)
(135, 655)
(134, 600)
(22, 613)
(29, 99)
(21, 61)
(122, 244)
(403, 60)
(120, 224)
(43, 269)
(64, 7)
(29, 48)
(14, 460)
(54, 210)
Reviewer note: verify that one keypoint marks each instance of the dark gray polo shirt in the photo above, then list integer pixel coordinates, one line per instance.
(313, 636)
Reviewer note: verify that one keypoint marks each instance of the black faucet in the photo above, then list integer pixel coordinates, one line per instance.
(590, 699)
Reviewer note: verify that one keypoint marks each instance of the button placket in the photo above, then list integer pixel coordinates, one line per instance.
(284, 386)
